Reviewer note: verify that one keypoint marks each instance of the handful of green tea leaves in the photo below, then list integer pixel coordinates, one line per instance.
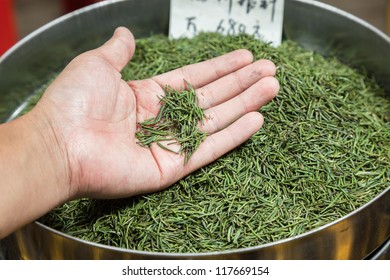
(176, 123)
(323, 151)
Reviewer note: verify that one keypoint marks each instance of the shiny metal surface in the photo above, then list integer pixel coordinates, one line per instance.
(314, 25)
(28, 64)
(328, 30)
(382, 253)
(352, 237)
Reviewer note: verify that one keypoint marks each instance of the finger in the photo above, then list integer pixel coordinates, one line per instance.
(225, 140)
(259, 94)
(119, 49)
(233, 84)
(202, 73)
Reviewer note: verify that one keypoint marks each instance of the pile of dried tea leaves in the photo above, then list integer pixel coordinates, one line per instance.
(176, 123)
(323, 151)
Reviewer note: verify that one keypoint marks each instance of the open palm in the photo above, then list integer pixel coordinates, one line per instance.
(95, 114)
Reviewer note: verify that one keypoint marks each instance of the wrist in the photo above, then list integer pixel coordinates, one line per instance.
(35, 176)
(50, 152)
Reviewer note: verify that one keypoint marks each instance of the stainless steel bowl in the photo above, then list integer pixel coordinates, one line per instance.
(314, 25)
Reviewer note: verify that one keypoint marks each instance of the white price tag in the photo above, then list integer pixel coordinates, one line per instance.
(261, 18)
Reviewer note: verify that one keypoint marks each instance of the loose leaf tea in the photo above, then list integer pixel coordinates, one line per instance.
(323, 151)
(176, 123)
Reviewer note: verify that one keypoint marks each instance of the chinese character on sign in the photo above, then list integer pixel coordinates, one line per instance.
(250, 4)
(261, 18)
(191, 26)
(264, 4)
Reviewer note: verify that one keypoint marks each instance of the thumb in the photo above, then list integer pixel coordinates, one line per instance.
(119, 49)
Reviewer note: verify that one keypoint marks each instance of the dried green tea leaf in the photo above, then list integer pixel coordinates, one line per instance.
(176, 123)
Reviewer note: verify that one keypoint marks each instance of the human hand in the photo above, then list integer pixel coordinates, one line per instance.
(93, 117)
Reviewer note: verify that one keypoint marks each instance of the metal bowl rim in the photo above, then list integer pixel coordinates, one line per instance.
(210, 254)
(348, 15)
(60, 19)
